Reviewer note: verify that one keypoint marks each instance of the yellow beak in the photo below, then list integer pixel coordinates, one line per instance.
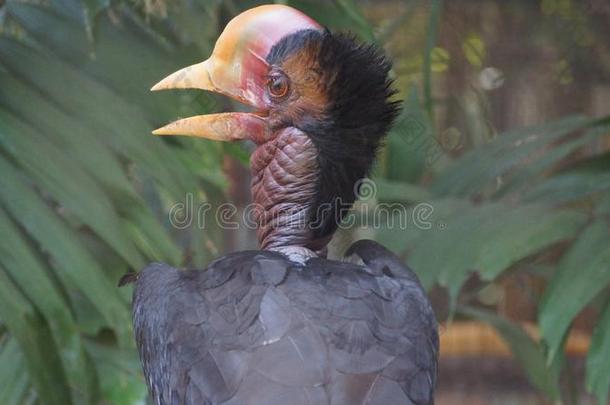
(236, 68)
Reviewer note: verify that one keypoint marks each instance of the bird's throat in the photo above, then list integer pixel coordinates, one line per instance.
(284, 179)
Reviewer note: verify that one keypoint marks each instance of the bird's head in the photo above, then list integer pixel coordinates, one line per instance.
(321, 105)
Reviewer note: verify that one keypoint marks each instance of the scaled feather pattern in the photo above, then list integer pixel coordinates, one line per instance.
(256, 328)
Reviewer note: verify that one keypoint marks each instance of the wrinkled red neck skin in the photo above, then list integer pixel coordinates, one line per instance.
(284, 176)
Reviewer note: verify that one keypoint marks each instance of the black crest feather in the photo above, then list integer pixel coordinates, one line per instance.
(359, 114)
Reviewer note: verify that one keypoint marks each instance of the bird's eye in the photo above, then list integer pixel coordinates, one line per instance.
(278, 86)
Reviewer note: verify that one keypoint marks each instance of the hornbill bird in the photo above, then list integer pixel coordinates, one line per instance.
(285, 325)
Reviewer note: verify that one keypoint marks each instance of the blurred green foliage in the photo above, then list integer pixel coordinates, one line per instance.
(85, 188)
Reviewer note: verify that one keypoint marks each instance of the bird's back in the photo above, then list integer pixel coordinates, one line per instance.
(256, 328)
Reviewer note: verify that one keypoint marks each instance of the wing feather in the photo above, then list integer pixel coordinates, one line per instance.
(255, 328)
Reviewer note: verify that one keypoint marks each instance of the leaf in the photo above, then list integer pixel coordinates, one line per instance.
(603, 205)
(352, 11)
(33, 336)
(86, 148)
(150, 236)
(597, 366)
(81, 195)
(121, 379)
(474, 50)
(524, 175)
(527, 352)
(411, 144)
(90, 10)
(569, 186)
(340, 15)
(124, 126)
(30, 275)
(387, 31)
(480, 166)
(187, 19)
(73, 264)
(91, 155)
(147, 61)
(488, 238)
(72, 9)
(33, 18)
(423, 236)
(81, 11)
(526, 231)
(583, 272)
(14, 380)
(439, 60)
(388, 190)
(431, 38)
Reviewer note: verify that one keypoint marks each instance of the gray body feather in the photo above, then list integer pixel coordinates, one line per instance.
(255, 328)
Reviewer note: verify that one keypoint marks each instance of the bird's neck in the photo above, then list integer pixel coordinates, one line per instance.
(284, 179)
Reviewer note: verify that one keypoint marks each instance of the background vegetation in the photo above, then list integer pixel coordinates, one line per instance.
(520, 192)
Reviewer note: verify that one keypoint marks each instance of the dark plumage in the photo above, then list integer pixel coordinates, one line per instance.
(256, 328)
